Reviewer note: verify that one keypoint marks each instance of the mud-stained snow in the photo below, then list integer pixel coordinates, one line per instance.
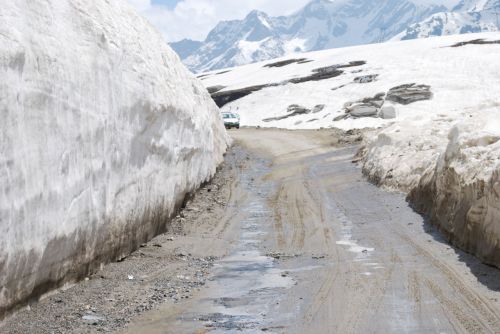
(103, 133)
(443, 150)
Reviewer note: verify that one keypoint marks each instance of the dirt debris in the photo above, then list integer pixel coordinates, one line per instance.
(167, 269)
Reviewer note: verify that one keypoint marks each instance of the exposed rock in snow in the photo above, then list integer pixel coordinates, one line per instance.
(103, 133)
(479, 41)
(292, 110)
(362, 110)
(387, 112)
(366, 78)
(409, 93)
(318, 108)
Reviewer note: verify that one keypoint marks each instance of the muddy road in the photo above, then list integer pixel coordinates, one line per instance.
(290, 238)
(317, 249)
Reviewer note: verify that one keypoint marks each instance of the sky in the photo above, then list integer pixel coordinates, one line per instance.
(178, 19)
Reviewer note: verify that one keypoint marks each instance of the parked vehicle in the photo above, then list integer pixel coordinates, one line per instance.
(231, 120)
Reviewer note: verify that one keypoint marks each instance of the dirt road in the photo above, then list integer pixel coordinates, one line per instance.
(320, 250)
(289, 238)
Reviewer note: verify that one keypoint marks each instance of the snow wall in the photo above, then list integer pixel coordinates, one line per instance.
(452, 176)
(103, 133)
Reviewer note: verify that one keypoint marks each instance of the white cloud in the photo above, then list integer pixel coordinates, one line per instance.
(195, 18)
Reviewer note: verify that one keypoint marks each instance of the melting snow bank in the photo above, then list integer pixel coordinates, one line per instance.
(103, 134)
(453, 176)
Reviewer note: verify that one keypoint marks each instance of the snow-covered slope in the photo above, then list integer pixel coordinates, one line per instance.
(470, 16)
(438, 139)
(322, 24)
(103, 132)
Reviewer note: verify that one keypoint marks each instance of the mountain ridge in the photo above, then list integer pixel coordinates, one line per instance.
(324, 24)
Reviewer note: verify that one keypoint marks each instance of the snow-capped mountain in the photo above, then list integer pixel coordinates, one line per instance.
(322, 24)
(468, 16)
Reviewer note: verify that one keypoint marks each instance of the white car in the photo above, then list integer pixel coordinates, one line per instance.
(231, 120)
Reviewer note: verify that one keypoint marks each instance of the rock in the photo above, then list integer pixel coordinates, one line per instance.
(363, 110)
(215, 89)
(93, 319)
(374, 101)
(409, 93)
(318, 108)
(286, 62)
(293, 110)
(297, 110)
(366, 78)
(341, 117)
(388, 112)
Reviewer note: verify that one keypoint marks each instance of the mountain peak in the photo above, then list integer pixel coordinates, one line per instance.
(324, 24)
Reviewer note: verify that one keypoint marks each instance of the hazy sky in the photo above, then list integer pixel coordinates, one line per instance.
(178, 19)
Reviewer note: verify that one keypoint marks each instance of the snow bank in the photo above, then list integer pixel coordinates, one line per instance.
(462, 193)
(103, 133)
(451, 169)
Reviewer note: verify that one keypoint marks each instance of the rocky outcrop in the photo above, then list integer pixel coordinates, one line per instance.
(103, 134)
(318, 74)
(366, 78)
(292, 110)
(409, 93)
(283, 63)
(376, 106)
(475, 42)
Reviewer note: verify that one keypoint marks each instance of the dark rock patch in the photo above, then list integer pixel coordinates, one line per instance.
(409, 93)
(287, 62)
(480, 41)
(338, 87)
(341, 117)
(203, 76)
(322, 73)
(293, 110)
(312, 120)
(223, 98)
(215, 89)
(219, 73)
(305, 61)
(366, 78)
(332, 68)
(318, 76)
(318, 108)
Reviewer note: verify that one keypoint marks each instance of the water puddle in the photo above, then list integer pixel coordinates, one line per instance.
(246, 283)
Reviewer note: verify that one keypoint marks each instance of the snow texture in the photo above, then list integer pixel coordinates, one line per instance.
(103, 133)
(443, 151)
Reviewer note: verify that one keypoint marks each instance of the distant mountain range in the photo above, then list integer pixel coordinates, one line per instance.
(468, 16)
(324, 24)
